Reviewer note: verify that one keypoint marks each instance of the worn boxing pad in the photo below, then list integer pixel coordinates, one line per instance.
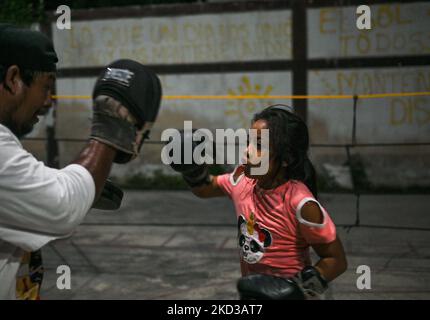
(126, 98)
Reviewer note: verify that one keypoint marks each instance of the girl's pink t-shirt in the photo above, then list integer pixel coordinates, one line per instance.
(273, 237)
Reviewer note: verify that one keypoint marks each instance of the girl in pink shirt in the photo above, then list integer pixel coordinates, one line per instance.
(278, 215)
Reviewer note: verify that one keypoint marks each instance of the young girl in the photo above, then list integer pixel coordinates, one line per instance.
(278, 214)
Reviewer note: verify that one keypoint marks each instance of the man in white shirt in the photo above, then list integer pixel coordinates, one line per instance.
(39, 204)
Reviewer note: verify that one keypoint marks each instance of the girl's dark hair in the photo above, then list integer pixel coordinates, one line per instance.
(289, 142)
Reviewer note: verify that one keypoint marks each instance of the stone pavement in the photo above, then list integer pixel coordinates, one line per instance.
(172, 245)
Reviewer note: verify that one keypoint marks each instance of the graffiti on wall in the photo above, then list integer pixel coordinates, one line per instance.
(382, 119)
(396, 29)
(187, 39)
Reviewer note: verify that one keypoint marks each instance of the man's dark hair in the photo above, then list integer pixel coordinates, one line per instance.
(32, 51)
(27, 75)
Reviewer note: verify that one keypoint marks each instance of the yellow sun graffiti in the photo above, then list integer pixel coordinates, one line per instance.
(245, 109)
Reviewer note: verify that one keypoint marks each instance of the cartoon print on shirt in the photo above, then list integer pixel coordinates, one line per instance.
(252, 239)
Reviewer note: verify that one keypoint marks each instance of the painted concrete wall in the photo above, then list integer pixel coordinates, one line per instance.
(398, 29)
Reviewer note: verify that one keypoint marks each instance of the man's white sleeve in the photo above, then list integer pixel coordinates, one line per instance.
(39, 204)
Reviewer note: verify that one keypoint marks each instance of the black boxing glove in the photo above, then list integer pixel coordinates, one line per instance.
(311, 282)
(193, 173)
(307, 284)
(268, 287)
(126, 100)
(110, 198)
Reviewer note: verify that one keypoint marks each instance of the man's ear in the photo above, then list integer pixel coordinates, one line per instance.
(13, 82)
